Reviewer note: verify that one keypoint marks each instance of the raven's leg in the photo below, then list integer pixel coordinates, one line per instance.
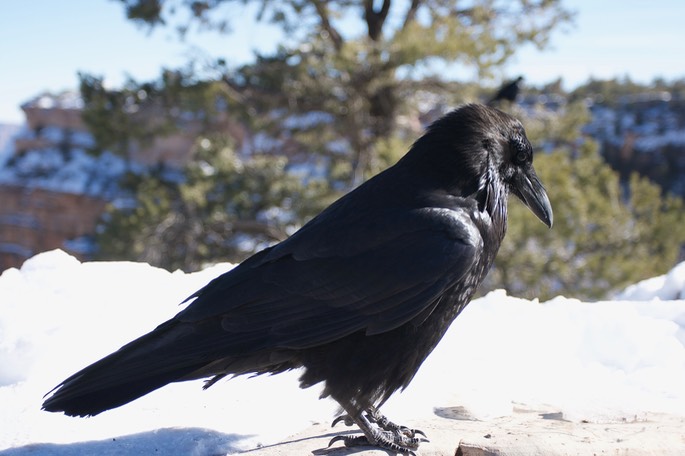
(379, 431)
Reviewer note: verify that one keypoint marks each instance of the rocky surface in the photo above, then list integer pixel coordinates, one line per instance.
(525, 433)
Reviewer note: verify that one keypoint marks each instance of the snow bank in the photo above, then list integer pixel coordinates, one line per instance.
(605, 361)
(669, 286)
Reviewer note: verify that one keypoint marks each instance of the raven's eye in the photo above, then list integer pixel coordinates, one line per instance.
(520, 150)
(521, 156)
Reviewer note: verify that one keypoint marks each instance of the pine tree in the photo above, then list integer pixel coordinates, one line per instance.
(336, 96)
(218, 208)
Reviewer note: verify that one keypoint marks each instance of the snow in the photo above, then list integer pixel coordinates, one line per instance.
(74, 172)
(602, 362)
(307, 120)
(658, 141)
(659, 127)
(669, 286)
(64, 100)
(59, 159)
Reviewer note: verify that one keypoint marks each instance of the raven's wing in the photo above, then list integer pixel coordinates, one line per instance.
(321, 284)
(309, 291)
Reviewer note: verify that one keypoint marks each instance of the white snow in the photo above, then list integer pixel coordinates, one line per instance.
(657, 141)
(669, 286)
(78, 172)
(658, 127)
(64, 100)
(602, 362)
(307, 120)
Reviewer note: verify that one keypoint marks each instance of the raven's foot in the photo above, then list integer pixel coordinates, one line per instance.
(376, 417)
(381, 432)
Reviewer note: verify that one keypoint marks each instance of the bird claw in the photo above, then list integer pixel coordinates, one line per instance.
(349, 440)
(345, 418)
(384, 423)
(411, 433)
(420, 432)
(383, 442)
(380, 432)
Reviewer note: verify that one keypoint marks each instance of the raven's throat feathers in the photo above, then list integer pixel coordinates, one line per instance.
(492, 197)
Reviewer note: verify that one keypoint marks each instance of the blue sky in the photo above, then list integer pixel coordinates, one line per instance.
(44, 43)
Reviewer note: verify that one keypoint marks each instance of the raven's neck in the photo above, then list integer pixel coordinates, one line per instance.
(492, 196)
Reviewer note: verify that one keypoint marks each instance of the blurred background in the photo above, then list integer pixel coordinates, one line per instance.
(184, 133)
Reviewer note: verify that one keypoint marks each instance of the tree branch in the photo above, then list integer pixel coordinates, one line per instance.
(411, 13)
(375, 19)
(326, 24)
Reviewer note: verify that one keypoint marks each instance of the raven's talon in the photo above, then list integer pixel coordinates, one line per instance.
(412, 433)
(350, 440)
(379, 431)
(383, 442)
(376, 417)
(344, 418)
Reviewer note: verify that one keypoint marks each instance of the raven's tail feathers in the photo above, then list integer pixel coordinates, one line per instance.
(136, 369)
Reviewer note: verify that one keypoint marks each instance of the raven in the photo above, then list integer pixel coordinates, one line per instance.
(358, 297)
(508, 91)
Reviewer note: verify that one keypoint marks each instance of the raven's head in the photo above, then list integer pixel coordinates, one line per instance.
(509, 159)
(480, 150)
(522, 179)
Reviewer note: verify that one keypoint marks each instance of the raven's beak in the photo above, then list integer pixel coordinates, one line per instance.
(528, 188)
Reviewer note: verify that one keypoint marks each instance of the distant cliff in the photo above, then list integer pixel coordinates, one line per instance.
(53, 188)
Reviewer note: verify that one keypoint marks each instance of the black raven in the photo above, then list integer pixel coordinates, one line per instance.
(508, 91)
(358, 297)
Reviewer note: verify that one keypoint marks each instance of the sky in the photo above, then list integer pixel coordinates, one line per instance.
(45, 43)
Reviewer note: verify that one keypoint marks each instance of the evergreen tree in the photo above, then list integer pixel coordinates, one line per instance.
(360, 62)
(340, 89)
(218, 208)
(336, 91)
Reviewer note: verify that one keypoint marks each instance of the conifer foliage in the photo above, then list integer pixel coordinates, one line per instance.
(342, 91)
